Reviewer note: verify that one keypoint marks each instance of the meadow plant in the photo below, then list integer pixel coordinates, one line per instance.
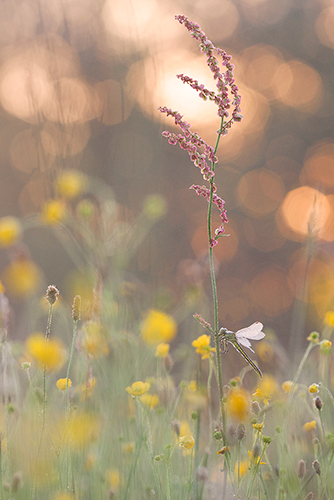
(91, 407)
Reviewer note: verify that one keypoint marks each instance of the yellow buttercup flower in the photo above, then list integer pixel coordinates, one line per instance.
(22, 278)
(82, 429)
(237, 404)
(50, 354)
(329, 318)
(187, 441)
(70, 184)
(128, 448)
(326, 347)
(150, 400)
(310, 426)
(258, 427)
(93, 340)
(158, 327)
(53, 212)
(287, 385)
(202, 345)
(162, 350)
(113, 478)
(244, 465)
(267, 388)
(313, 337)
(254, 457)
(313, 388)
(138, 388)
(88, 388)
(62, 384)
(265, 351)
(10, 231)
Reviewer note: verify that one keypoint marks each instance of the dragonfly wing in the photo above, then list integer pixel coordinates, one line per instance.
(245, 342)
(253, 332)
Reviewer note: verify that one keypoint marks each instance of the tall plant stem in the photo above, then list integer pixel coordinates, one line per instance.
(214, 288)
(47, 335)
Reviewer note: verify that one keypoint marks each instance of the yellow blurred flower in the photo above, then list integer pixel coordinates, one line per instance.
(237, 404)
(70, 184)
(53, 212)
(287, 385)
(267, 388)
(10, 231)
(82, 429)
(138, 388)
(63, 496)
(90, 461)
(88, 388)
(155, 206)
(326, 347)
(313, 388)
(202, 345)
(244, 464)
(2, 288)
(50, 354)
(254, 457)
(113, 479)
(187, 441)
(22, 278)
(62, 384)
(158, 327)
(128, 448)
(93, 340)
(265, 351)
(313, 337)
(162, 350)
(150, 400)
(329, 318)
(310, 426)
(192, 386)
(258, 427)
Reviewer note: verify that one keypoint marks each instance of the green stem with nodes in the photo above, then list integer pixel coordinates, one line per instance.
(47, 335)
(214, 289)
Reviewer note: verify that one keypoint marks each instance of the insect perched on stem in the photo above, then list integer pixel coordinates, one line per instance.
(252, 332)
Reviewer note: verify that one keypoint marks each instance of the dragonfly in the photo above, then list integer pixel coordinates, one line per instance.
(241, 338)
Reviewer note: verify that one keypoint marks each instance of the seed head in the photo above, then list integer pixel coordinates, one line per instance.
(316, 467)
(241, 431)
(301, 469)
(51, 294)
(318, 403)
(76, 308)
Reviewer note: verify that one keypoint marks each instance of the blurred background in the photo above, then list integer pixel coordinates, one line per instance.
(80, 84)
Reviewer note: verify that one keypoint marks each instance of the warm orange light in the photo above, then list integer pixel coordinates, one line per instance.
(298, 85)
(261, 63)
(260, 192)
(319, 275)
(304, 210)
(324, 27)
(262, 234)
(115, 103)
(319, 165)
(220, 19)
(71, 102)
(271, 290)
(24, 87)
(64, 140)
(236, 298)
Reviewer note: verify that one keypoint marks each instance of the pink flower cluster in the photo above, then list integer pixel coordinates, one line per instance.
(205, 192)
(224, 80)
(191, 141)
